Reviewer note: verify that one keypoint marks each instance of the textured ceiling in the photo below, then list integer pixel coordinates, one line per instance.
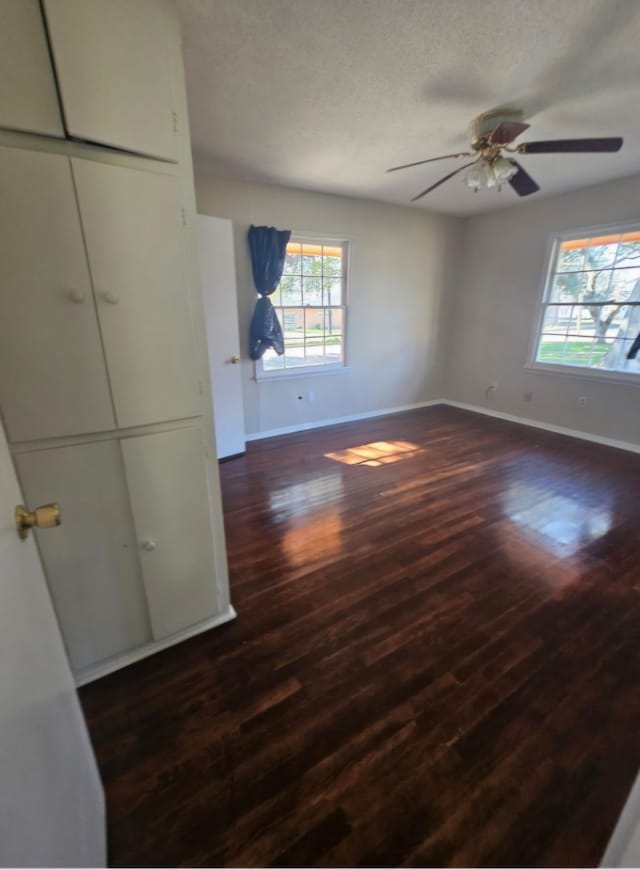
(327, 94)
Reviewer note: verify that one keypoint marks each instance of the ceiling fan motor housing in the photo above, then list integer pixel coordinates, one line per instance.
(483, 125)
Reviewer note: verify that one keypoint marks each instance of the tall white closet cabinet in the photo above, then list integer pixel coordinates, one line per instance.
(104, 378)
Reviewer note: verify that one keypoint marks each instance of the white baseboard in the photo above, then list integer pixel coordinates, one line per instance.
(477, 409)
(94, 672)
(334, 421)
(548, 427)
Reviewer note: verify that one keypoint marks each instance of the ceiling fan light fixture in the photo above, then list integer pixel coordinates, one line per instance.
(478, 175)
(503, 169)
(490, 174)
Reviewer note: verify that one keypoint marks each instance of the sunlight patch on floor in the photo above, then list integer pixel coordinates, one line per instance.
(376, 454)
(306, 496)
(561, 524)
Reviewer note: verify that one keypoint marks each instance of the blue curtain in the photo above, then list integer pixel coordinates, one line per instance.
(268, 247)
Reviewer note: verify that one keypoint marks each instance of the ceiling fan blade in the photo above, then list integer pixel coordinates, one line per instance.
(442, 180)
(507, 132)
(571, 146)
(430, 160)
(522, 182)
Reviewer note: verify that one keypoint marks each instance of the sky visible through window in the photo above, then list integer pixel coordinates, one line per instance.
(591, 313)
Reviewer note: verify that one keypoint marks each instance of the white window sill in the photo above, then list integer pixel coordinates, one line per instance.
(302, 372)
(629, 380)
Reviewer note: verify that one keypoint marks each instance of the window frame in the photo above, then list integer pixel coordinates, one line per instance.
(554, 240)
(262, 374)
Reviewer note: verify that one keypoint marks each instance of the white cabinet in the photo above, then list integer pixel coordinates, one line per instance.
(52, 374)
(114, 73)
(103, 373)
(28, 97)
(132, 221)
(170, 499)
(91, 561)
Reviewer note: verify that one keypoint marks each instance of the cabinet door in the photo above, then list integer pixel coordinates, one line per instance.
(112, 61)
(91, 561)
(168, 491)
(28, 96)
(52, 374)
(132, 221)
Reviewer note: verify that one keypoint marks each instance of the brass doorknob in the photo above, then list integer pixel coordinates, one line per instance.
(44, 517)
(234, 360)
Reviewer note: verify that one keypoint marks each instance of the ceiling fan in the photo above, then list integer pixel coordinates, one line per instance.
(493, 132)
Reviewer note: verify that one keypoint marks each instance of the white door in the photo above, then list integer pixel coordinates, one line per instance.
(114, 71)
(28, 96)
(132, 221)
(53, 379)
(167, 481)
(51, 799)
(218, 273)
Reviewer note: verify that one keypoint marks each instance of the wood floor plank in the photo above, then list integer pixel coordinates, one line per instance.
(435, 661)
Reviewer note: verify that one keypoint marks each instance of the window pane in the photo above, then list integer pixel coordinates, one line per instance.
(271, 361)
(311, 264)
(556, 319)
(293, 260)
(572, 255)
(332, 266)
(597, 285)
(628, 251)
(333, 291)
(312, 291)
(314, 336)
(568, 287)
(602, 252)
(629, 320)
(333, 319)
(623, 284)
(551, 349)
(291, 290)
(293, 328)
(584, 350)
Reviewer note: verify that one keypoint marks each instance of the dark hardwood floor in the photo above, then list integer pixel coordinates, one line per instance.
(436, 659)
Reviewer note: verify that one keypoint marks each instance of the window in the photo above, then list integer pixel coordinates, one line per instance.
(591, 307)
(311, 305)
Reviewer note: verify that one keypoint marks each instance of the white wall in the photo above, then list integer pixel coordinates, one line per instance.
(398, 285)
(498, 285)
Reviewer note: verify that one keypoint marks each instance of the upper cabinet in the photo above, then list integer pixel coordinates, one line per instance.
(52, 374)
(72, 354)
(114, 73)
(134, 232)
(28, 98)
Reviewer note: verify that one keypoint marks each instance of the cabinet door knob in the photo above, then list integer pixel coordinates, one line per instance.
(110, 297)
(234, 360)
(76, 296)
(47, 516)
(149, 545)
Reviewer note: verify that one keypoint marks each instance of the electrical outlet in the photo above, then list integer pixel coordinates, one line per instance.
(311, 396)
(528, 397)
(582, 401)
(491, 390)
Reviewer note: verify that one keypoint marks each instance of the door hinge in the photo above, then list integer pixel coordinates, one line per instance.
(174, 115)
(184, 217)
